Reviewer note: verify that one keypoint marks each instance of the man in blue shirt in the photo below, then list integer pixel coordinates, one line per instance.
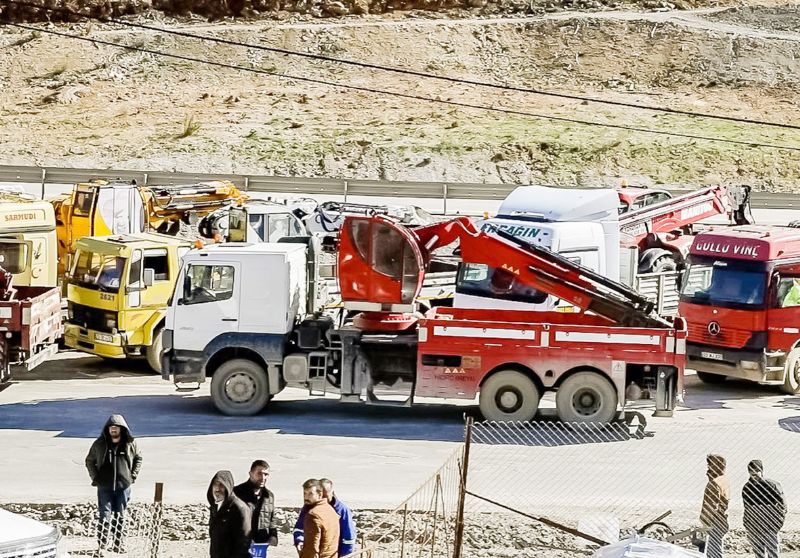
(347, 525)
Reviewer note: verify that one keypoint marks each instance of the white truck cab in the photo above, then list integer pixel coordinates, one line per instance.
(580, 224)
(22, 536)
(217, 305)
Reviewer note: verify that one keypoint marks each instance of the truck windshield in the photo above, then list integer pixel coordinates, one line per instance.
(98, 271)
(13, 256)
(724, 283)
(491, 282)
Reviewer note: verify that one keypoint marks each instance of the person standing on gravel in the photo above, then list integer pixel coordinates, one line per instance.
(347, 525)
(764, 511)
(714, 513)
(113, 462)
(321, 524)
(229, 524)
(261, 501)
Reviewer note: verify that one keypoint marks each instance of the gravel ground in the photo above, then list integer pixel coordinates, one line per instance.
(486, 534)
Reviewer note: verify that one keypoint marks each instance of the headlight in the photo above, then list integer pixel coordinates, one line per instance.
(70, 311)
(111, 321)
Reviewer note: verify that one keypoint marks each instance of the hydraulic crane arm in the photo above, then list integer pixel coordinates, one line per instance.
(381, 265)
(676, 213)
(168, 201)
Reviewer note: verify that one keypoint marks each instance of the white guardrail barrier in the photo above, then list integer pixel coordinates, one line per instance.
(321, 186)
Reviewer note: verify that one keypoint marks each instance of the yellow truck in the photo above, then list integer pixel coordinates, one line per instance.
(102, 207)
(117, 292)
(28, 248)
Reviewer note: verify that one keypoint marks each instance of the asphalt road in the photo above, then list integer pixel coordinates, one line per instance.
(376, 455)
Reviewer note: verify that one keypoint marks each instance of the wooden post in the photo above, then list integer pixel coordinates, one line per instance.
(158, 508)
(458, 537)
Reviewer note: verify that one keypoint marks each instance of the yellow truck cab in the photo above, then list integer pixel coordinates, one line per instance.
(117, 293)
(28, 248)
(96, 208)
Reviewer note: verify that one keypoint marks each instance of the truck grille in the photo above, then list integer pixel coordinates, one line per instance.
(90, 318)
(727, 337)
(47, 550)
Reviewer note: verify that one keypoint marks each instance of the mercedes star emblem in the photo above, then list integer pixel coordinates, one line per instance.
(713, 328)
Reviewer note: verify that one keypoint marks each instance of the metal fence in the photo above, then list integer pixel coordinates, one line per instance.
(570, 487)
(135, 534)
(566, 490)
(424, 524)
(316, 186)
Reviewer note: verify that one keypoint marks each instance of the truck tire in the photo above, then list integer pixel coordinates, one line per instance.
(657, 260)
(240, 387)
(709, 378)
(509, 395)
(586, 397)
(664, 264)
(791, 382)
(153, 351)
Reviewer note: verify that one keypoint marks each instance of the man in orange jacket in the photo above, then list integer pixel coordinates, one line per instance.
(321, 526)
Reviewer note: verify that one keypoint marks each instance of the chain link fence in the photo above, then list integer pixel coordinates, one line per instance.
(424, 524)
(563, 490)
(136, 533)
(571, 488)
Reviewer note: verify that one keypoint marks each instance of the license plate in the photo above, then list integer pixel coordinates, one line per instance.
(711, 356)
(106, 338)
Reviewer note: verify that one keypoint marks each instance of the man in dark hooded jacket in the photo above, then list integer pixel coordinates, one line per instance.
(229, 527)
(261, 501)
(113, 462)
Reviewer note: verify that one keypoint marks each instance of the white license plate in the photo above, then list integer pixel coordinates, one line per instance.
(104, 337)
(712, 356)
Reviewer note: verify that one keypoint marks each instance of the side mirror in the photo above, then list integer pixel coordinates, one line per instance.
(149, 277)
(187, 288)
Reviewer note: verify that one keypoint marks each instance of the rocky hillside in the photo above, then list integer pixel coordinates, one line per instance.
(71, 102)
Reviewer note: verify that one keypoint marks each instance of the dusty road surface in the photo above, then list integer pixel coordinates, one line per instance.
(377, 455)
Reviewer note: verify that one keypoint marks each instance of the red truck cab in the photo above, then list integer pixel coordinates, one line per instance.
(741, 298)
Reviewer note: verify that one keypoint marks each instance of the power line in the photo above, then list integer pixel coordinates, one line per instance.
(406, 95)
(414, 73)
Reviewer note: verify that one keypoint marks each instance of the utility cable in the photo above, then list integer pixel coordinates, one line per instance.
(406, 95)
(414, 73)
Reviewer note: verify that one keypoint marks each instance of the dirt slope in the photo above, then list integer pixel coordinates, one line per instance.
(72, 103)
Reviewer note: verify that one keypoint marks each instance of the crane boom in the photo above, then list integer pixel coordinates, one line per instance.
(382, 263)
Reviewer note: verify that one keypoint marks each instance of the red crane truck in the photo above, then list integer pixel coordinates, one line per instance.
(741, 298)
(237, 317)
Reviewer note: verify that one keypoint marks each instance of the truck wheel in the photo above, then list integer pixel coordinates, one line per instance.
(586, 397)
(660, 263)
(509, 395)
(709, 378)
(664, 264)
(240, 387)
(791, 382)
(153, 352)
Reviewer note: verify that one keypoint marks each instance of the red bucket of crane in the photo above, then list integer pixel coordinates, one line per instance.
(381, 267)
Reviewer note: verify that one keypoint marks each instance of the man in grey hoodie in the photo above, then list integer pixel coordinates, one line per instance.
(113, 462)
